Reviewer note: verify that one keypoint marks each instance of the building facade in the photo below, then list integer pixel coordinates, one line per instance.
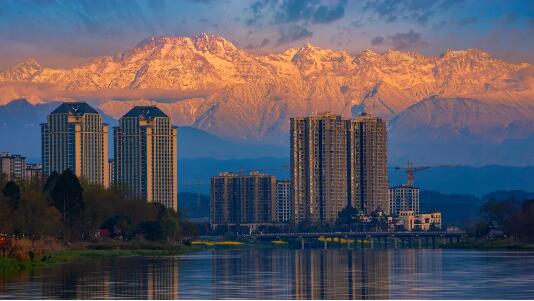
(13, 167)
(403, 198)
(34, 172)
(319, 168)
(74, 137)
(111, 171)
(283, 201)
(238, 199)
(412, 221)
(337, 162)
(368, 164)
(145, 163)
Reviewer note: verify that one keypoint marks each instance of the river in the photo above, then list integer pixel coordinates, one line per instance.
(285, 274)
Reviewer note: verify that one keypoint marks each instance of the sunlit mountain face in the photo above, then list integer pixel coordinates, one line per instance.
(463, 101)
(454, 79)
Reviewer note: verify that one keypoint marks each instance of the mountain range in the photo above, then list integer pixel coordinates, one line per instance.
(462, 107)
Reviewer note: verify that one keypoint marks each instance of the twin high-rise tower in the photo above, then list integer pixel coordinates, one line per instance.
(146, 156)
(145, 145)
(336, 162)
(74, 137)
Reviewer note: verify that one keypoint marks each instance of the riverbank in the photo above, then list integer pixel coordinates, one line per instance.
(80, 251)
(503, 244)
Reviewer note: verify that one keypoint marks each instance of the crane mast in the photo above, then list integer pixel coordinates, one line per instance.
(410, 171)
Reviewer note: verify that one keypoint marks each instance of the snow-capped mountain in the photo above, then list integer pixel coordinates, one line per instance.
(209, 83)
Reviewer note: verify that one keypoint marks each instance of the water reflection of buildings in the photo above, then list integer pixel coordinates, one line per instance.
(305, 274)
(342, 274)
(253, 274)
(156, 280)
(415, 272)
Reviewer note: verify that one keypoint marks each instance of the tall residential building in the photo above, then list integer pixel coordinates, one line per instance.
(319, 167)
(368, 164)
(337, 162)
(403, 198)
(283, 201)
(243, 199)
(146, 156)
(74, 137)
(13, 167)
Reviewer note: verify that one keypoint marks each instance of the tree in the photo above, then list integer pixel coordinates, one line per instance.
(66, 194)
(379, 220)
(347, 216)
(12, 191)
(35, 217)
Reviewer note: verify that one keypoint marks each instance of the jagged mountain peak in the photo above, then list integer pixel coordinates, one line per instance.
(209, 83)
(467, 53)
(22, 71)
(203, 42)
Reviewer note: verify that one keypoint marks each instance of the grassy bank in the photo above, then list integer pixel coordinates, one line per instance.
(504, 244)
(81, 251)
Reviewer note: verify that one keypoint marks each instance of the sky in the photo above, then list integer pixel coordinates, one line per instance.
(61, 33)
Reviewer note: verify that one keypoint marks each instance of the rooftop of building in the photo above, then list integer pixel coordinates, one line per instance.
(403, 186)
(74, 108)
(146, 112)
(251, 173)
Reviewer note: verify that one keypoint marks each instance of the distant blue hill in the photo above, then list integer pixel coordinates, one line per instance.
(203, 155)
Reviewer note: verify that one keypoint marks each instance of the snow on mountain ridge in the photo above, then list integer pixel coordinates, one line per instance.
(253, 95)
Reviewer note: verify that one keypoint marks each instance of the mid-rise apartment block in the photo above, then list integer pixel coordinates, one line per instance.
(145, 162)
(74, 137)
(403, 198)
(238, 199)
(13, 167)
(283, 201)
(33, 172)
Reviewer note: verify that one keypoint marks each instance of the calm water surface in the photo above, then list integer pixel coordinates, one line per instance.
(286, 274)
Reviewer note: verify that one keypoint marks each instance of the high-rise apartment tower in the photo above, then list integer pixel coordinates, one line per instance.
(74, 137)
(336, 162)
(146, 156)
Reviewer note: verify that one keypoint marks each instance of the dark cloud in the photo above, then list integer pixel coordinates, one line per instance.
(356, 23)
(294, 11)
(418, 11)
(378, 40)
(292, 33)
(262, 44)
(406, 40)
(327, 14)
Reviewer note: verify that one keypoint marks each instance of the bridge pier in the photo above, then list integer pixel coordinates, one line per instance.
(361, 242)
(325, 244)
(302, 243)
(420, 242)
(372, 242)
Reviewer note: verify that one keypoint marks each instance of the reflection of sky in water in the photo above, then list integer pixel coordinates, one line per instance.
(287, 274)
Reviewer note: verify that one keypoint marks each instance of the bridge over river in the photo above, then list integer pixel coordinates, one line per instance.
(371, 239)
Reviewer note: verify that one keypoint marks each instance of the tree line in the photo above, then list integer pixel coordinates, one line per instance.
(64, 207)
(511, 218)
